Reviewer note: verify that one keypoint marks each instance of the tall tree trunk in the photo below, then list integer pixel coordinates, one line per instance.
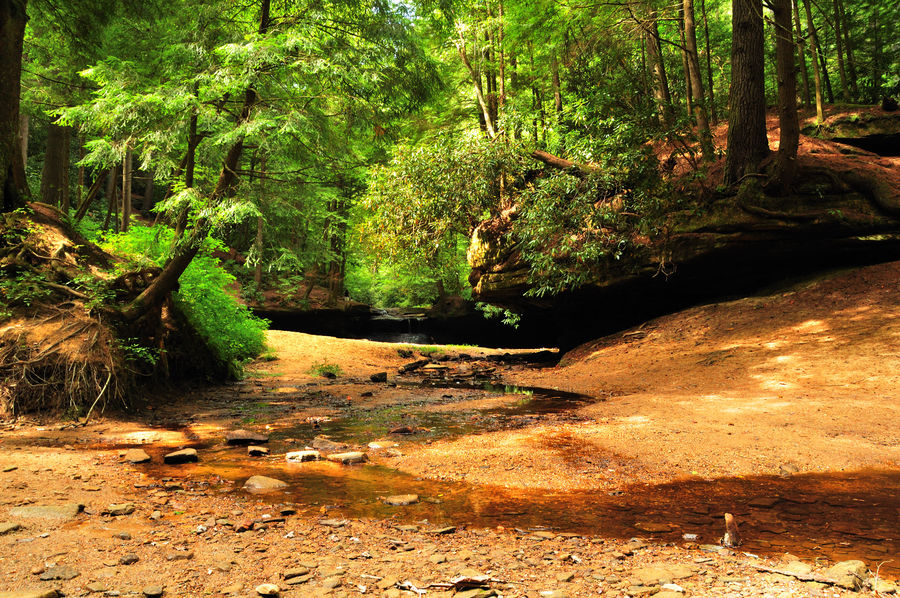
(479, 92)
(747, 143)
(814, 56)
(80, 186)
(257, 270)
(848, 46)
(13, 187)
(554, 76)
(690, 37)
(657, 65)
(189, 166)
(709, 73)
(110, 195)
(875, 26)
(845, 92)
(55, 174)
(22, 137)
(501, 52)
(801, 43)
(126, 188)
(789, 124)
(688, 91)
(149, 189)
(153, 296)
(829, 93)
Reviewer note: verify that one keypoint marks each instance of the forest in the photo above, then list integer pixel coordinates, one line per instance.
(457, 298)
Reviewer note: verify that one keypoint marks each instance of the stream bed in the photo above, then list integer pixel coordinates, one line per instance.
(838, 516)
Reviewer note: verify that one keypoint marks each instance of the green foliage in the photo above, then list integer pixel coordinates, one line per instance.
(229, 328)
(26, 288)
(325, 369)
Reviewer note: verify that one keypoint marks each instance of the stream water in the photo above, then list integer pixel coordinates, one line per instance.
(833, 515)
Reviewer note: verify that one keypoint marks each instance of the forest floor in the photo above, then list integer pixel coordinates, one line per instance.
(781, 409)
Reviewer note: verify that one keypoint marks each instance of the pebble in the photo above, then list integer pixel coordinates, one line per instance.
(152, 591)
(128, 559)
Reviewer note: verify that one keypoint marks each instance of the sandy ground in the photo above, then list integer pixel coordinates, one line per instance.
(784, 389)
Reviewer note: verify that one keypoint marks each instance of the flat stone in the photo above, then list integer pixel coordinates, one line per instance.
(442, 530)
(326, 444)
(267, 589)
(137, 456)
(380, 446)
(96, 587)
(7, 528)
(379, 377)
(668, 594)
(554, 594)
(257, 451)
(296, 572)
(798, 567)
(66, 511)
(848, 574)
(126, 508)
(241, 437)
(332, 582)
(152, 591)
(63, 572)
(188, 455)
(476, 593)
(885, 587)
(182, 555)
(261, 483)
(302, 456)
(402, 500)
(333, 522)
(348, 458)
(232, 589)
(656, 575)
(653, 528)
(30, 594)
(296, 581)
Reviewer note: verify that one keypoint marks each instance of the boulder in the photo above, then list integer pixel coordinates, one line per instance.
(188, 455)
(326, 444)
(257, 451)
(848, 574)
(379, 377)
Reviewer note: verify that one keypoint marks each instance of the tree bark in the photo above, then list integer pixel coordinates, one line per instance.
(845, 92)
(661, 82)
(479, 92)
(747, 142)
(848, 47)
(814, 55)
(557, 94)
(126, 189)
(688, 92)
(55, 174)
(153, 296)
(807, 98)
(789, 123)
(690, 36)
(709, 74)
(12, 169)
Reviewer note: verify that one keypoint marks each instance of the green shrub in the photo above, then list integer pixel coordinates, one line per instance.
(230, 329)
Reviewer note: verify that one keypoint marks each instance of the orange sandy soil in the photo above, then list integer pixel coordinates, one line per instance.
(801, 381)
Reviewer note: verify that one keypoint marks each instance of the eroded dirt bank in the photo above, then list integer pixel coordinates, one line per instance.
(779, 409)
